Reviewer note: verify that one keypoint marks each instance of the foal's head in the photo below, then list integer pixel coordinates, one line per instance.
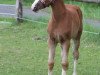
(40, 4)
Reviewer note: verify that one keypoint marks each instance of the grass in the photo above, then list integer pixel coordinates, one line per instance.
(24, 51)
(25, 2)
(21, 42)
(7, 2)
(90, 10)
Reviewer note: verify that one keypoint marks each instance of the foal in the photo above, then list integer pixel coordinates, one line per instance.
(65, 24)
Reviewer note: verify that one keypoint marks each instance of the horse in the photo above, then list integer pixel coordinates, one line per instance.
(65, 25)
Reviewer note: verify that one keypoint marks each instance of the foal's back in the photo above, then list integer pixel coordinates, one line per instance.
(76, 18)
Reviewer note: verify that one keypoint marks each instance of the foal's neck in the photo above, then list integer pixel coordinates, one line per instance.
(58, 9)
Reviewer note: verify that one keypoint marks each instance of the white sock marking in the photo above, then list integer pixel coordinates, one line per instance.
(50, 72)
(74, 70)
(33, 5)
(63, 72)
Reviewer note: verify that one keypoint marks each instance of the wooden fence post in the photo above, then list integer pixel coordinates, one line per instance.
(19, 11)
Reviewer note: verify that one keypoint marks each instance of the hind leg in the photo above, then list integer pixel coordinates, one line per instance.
(76, 42)
(52, 45)
(75, 54)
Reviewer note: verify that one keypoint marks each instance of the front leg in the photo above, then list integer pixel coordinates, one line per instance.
(52, 45)
(64, 54)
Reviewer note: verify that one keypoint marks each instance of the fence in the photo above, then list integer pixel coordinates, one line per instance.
(13, 10)
(20, 12)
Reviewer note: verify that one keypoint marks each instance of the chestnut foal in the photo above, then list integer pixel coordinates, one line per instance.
(65, 24)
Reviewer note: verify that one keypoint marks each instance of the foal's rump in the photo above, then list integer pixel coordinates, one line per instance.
(76, 19)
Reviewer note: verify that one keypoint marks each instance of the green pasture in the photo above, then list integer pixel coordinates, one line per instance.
(24, 51)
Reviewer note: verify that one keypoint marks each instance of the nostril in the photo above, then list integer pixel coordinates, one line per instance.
(35, 8)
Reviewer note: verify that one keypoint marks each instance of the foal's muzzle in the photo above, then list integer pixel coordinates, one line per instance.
(38, 6)
(35, 9)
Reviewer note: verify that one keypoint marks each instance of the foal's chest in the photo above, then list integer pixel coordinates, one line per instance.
(59, 34)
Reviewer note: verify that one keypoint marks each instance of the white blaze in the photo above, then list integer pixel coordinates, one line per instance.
(33, 5)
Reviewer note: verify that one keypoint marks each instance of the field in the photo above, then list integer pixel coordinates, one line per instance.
(24, 51)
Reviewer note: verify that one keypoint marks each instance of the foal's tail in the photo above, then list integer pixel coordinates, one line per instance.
(81, 23)
(80, 14)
